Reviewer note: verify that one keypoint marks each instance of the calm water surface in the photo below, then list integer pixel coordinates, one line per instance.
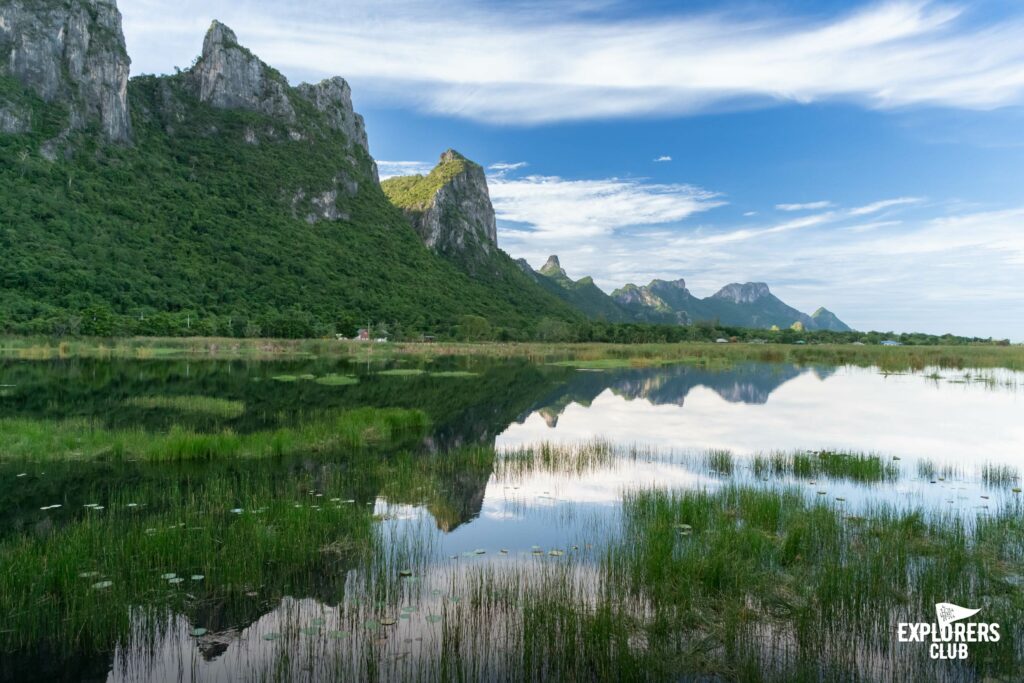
(939, 427)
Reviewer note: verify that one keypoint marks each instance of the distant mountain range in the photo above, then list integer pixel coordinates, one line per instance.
(749, 305)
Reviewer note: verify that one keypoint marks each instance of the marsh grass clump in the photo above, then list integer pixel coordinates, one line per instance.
(767, 581)
(720, 462)
(453, 374)
(335, 380)
(928, 469)
(858, 467)
(995, 475)
(576, 458)
(402, 372)
(206, 405)
(82, 439)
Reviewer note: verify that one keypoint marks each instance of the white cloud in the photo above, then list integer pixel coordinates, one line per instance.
(555, 208)
(663, 158)
(884, 204)
(748, 214)
(911, 274)
(505, 167)
(808, 206)
(389, 169)
(541, 63)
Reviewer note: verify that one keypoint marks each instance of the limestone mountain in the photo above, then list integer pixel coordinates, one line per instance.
(825, 319)
(220, 198)
(749, 305)
(450, 208)
(581, 294)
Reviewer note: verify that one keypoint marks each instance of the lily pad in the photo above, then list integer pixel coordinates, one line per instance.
(319, 621)
(557, 553)
(388, 621)
(434, 618)
(176, 580)
(338, 635)
(198, 577)
(271, 636)
(405, 572)
(88, 575)
(100, 585)
(169, 576)
(196, 632)
(310, 631)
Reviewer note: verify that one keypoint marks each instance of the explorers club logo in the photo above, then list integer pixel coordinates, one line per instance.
(949, 636)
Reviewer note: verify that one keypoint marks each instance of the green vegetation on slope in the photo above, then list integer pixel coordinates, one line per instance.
(416, 192)
(195, 230)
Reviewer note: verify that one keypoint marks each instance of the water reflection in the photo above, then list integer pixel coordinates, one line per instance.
(763, 408)
(467, 494)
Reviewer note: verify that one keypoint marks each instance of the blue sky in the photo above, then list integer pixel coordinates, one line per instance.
(867, 157)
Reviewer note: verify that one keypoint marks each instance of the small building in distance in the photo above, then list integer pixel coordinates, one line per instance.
(891, 342)
(363, 334)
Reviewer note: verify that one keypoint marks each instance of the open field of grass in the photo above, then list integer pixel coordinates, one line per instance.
(585, 355)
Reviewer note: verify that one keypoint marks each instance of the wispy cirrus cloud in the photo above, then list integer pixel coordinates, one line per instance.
(506, 167)
(663, 159)
(875, 207)
(808, 206)
(544, 62)
(554, 208)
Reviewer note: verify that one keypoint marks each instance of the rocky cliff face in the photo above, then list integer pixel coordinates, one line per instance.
(746, 293)
(72, 53)
(552, 267)
(450, 208)
(333, 99)
(228, 76)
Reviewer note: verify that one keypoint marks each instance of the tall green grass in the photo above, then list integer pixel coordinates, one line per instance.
(207, 405)
(859, 467)
(252, 539)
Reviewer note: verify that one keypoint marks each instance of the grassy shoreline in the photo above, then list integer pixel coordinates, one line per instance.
(78, 439)
(701, 353)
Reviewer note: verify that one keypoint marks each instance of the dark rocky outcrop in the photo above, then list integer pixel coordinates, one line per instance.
(229, 76)
(71, 53)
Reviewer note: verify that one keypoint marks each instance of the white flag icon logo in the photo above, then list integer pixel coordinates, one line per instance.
(947, 613)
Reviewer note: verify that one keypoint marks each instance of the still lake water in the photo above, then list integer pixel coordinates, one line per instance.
(940, 428)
